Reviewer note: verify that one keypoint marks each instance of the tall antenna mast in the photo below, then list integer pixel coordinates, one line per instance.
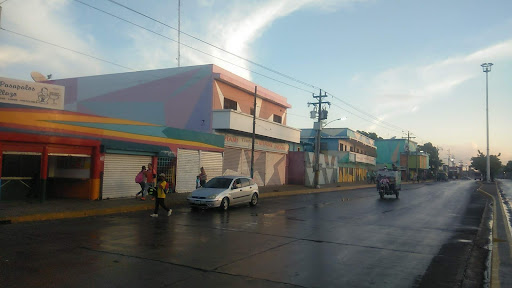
(179, 30)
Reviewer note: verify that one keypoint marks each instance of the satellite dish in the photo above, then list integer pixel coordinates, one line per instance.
(38, 77)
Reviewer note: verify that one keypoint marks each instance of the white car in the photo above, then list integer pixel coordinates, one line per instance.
(225, 191)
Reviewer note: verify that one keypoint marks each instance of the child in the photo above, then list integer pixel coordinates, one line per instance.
(162, 189)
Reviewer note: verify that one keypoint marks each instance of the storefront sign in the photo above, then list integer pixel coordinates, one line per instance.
(261, 145)
(31, 93)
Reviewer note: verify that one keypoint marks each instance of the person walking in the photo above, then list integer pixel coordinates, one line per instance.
(150, 181)
(140, 178)
(162, 189)
(202, 177)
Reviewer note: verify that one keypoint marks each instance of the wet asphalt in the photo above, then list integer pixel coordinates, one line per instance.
(427, 238)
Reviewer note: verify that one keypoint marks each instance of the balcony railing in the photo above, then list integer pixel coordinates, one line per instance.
(235, 120)
(351, 157)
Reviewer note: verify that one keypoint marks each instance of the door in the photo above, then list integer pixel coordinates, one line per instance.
(212, 163)
(187, 169)
(119, 175)
(237, 191)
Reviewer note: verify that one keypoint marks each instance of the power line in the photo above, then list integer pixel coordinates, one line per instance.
(4, 2)
(215, 46)
(394, 127)
(375, 120)
(190, 47)
(65, 48)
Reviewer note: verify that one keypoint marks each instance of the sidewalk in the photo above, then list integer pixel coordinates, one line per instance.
(24, 211)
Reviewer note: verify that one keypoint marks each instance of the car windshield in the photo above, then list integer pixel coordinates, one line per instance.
(218, 182)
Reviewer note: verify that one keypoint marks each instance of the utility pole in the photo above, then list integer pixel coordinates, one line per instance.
(322, 115)
(179, 31)
(253, 132)
(408, 152)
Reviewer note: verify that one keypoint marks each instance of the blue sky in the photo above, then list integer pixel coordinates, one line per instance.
(412, 64)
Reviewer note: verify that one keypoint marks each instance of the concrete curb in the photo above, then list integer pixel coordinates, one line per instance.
(149, 206)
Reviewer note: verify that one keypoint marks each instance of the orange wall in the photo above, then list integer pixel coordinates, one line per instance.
(246, 102)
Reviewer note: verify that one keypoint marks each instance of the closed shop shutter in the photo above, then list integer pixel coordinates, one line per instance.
(275, 168)
(187, 169)
(259, 166)
(235, 162)
(212, 163)
(119, 175)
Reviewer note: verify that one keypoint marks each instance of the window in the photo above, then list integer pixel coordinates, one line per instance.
(230, 104)
(252, 111)
(351, 149)
(245, 182)
(341, 147)
(277, 119)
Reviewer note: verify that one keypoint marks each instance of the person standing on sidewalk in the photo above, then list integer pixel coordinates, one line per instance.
(150, 180)
(140, 178)
(202, 177)
(162, 188)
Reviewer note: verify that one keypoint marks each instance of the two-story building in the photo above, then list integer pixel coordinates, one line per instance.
(355, 152)
(203, 98)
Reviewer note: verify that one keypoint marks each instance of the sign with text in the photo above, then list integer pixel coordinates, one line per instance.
(31, 93)
(261, 145)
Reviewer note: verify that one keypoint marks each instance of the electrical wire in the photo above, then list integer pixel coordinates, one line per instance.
(212, 45)
(4, 2)
(68, 49)
(190, 47)
(374, 120)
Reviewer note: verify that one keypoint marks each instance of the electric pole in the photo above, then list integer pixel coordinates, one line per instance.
(321, 115)
(408, 152)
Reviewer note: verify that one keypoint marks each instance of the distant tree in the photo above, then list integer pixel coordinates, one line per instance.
(433, 153)
(508, 167)
(371, 135)
(480, 163)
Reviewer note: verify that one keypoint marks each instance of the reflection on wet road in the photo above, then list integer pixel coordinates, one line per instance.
(339, 239)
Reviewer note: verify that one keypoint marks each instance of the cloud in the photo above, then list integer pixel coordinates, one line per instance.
(405, 88)
(52, 23)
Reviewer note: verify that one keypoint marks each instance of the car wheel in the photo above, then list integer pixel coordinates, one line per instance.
(224, 205)
(254, 199)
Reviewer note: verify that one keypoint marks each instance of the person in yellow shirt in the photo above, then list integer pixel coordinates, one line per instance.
(162, 189)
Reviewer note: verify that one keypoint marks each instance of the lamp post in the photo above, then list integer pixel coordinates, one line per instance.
(487, 68)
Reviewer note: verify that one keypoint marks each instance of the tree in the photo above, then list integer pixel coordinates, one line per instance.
(508, 167)
(480, 163)
(433, 152)
(371, 135)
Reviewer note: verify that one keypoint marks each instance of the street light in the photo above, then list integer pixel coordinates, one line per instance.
(323, 126)
(487, 68)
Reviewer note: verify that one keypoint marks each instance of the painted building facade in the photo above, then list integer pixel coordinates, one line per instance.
(60, 154)
(356, 153)
(202, 98)
(403, 154)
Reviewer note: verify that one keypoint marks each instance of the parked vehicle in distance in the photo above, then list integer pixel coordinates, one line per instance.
(225, 191)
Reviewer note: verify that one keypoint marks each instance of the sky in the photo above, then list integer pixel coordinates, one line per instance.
(389, 66)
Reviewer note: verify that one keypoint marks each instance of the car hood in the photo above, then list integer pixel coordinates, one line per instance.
(205, 192)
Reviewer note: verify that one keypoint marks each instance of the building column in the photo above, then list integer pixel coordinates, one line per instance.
(97, 166)
(44, 172)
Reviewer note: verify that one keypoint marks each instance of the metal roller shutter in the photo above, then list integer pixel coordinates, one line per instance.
(119, 175)
(275, 168)
(212, 163)
(259, 166)
(235, 162)
(187, 169)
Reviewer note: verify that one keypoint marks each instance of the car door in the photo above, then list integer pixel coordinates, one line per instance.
(237, 192)
(246, 189)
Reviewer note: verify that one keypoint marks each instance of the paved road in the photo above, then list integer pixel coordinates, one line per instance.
(338, 239)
